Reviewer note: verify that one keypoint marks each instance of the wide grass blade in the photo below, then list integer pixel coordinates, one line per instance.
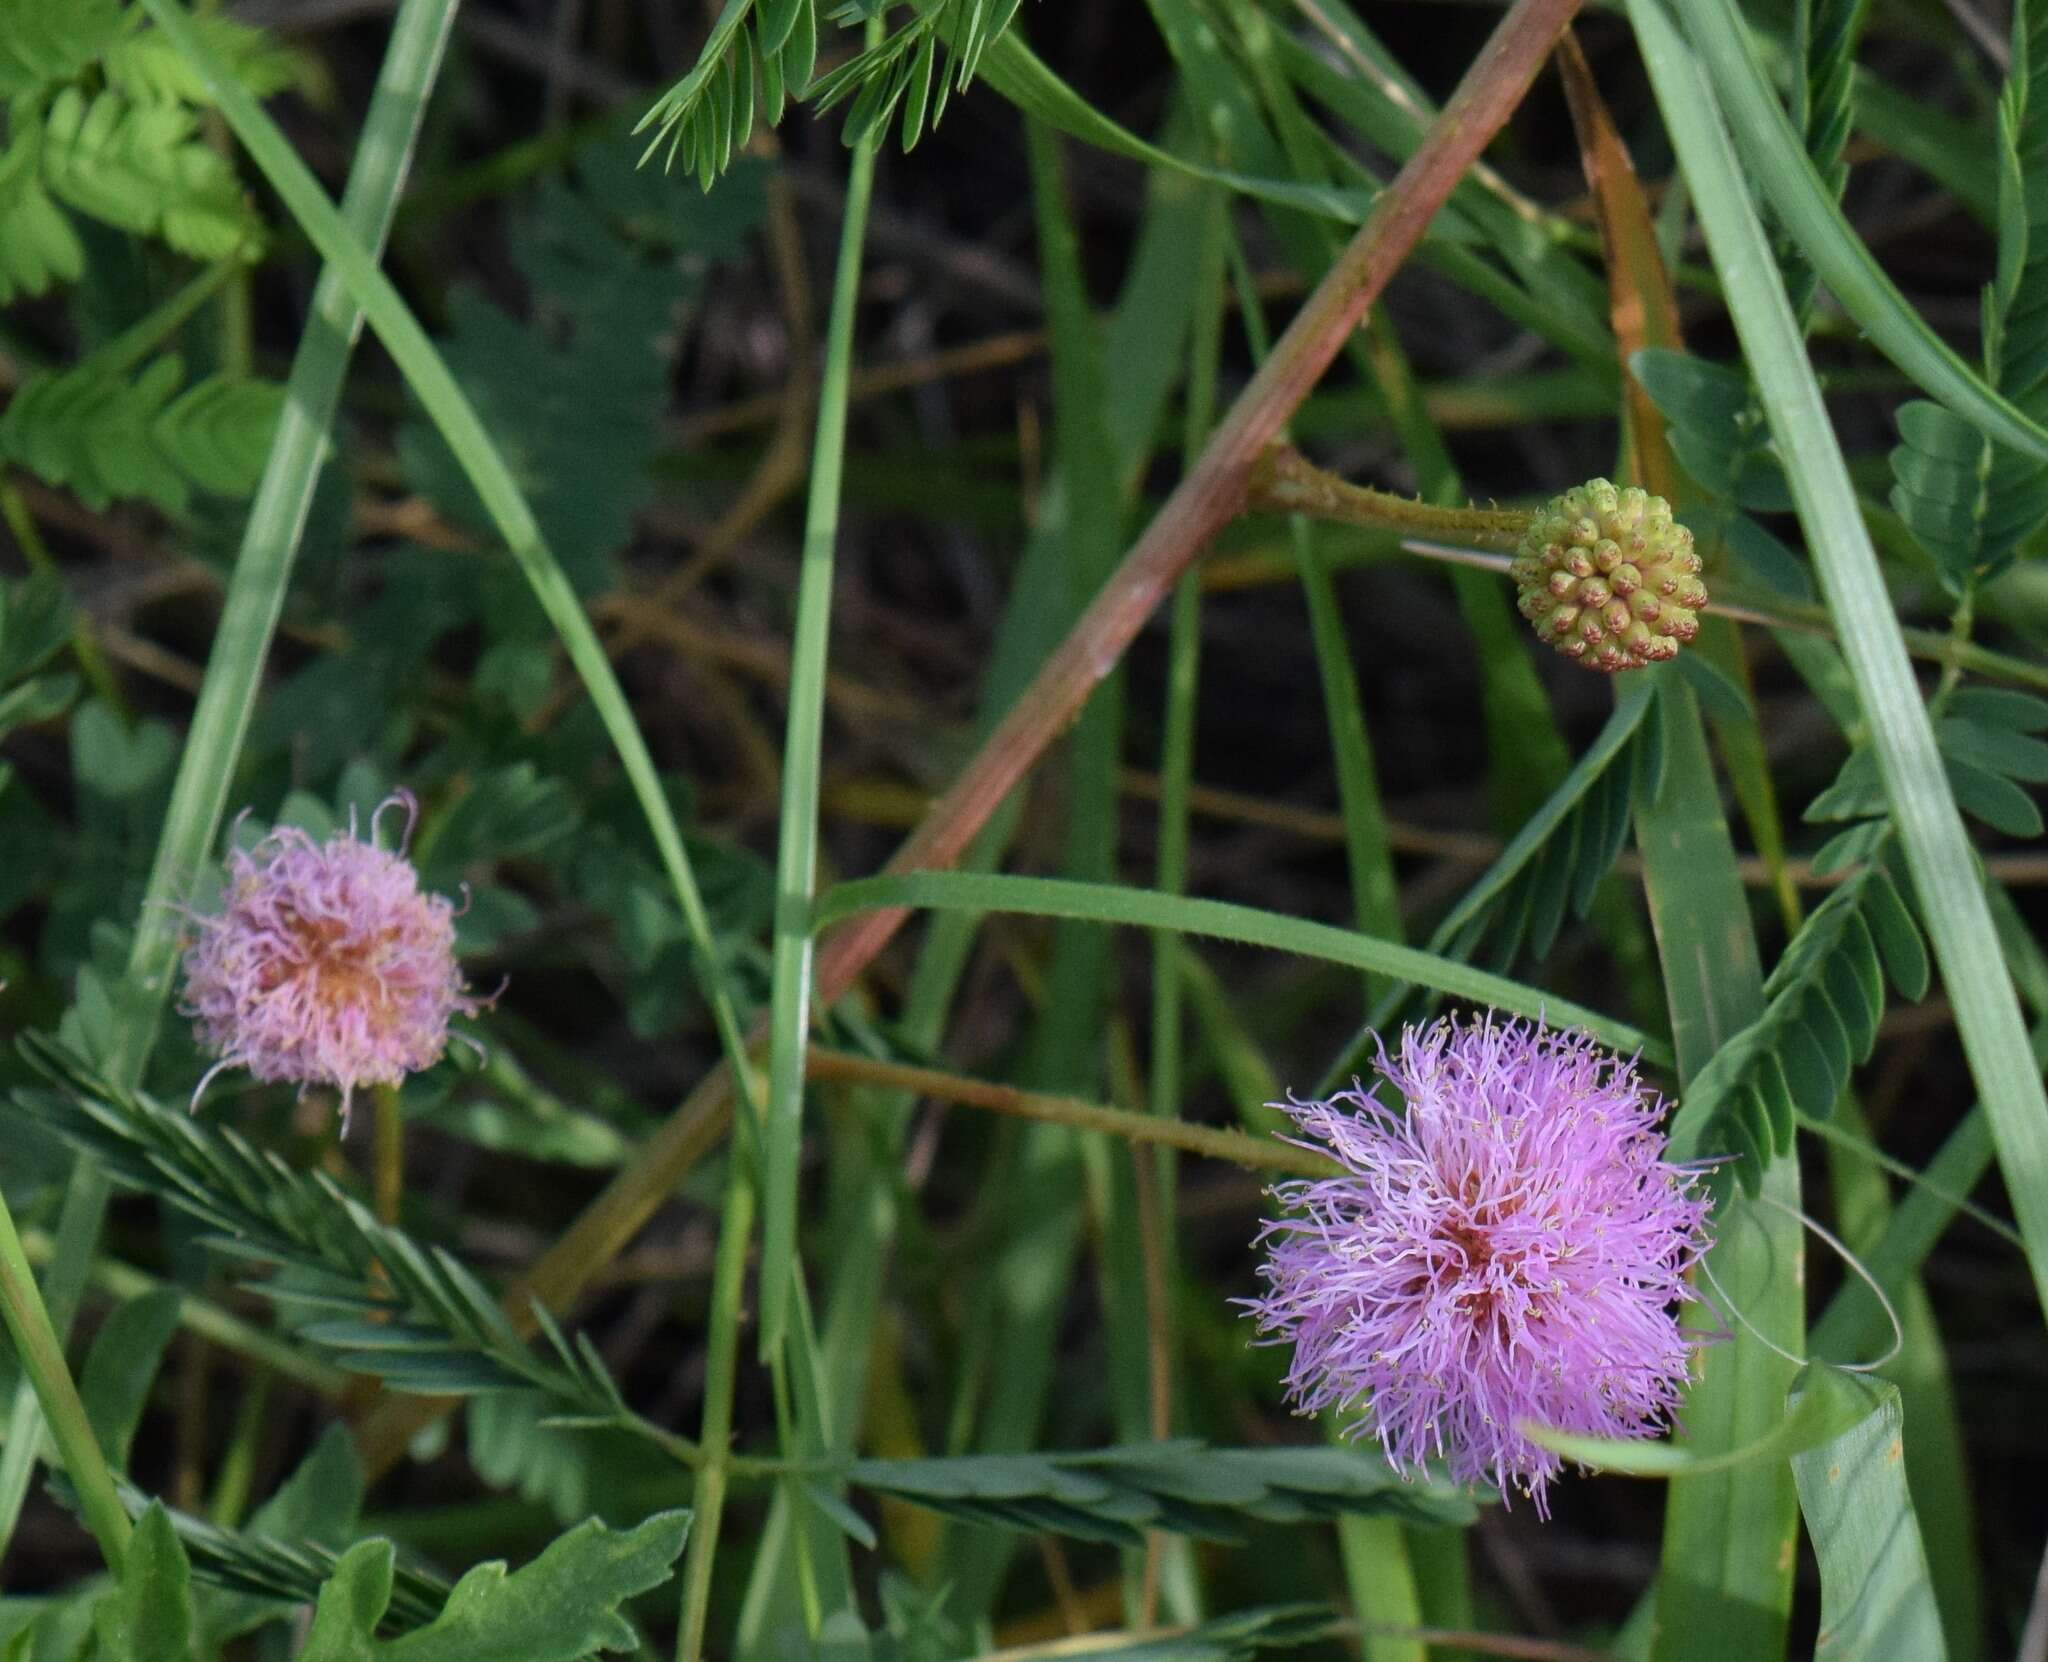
(1938, 852)
(1876, 1600)
(1726, 1584)
(1147, 909)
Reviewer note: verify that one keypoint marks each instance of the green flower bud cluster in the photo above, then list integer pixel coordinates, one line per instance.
(1609, 578)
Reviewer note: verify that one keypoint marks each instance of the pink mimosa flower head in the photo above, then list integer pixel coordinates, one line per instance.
(1503, 1245)
(325, 965)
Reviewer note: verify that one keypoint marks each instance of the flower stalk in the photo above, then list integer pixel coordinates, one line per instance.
(1287, 482)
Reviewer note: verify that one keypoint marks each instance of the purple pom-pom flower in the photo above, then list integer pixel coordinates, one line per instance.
(1505, 1245)
(326, 965)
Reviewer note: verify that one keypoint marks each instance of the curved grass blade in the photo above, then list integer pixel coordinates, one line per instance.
(1148, 909)
(1830, 1405)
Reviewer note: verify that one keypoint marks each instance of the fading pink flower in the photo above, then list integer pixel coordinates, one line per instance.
(1505, 1245)
(326, 965)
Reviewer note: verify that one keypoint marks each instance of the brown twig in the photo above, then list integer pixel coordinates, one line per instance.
(1213, 493)
(1209, 496)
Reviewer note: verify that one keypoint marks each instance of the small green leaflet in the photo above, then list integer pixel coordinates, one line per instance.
(1183, 1486)
(562, 1606)
(148, 1618)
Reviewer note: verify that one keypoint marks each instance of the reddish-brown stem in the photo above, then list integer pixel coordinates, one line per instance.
(1212, 493)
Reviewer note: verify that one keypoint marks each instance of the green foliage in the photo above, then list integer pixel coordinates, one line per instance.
(38, 246)
(35, 620)
(41, 43)
(1556, 861)
(562, 1606)
(274, 1564)
(575, 393)
(761, 53)
(378, 1302)
(126, 1353)
(144, 168)
(954, 1267)
(102, 116)
(938, 49)
(1824, 41)
(1716, 428)
(1989, 754)
(278, 1564)
(148, 1618)
(1117, 1494)
(1825, 998)
(1971, 504)
(106, 436)
(147, 67)
(1876, 1598)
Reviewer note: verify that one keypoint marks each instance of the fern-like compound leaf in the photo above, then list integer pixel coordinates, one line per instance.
(46, 41)
(1825, 998)
(1970, 503)
(144, 168)
(148, 68)
(105, 436)
(1186, 1487)
(365, 1293)
(38, 247)
(761, 52)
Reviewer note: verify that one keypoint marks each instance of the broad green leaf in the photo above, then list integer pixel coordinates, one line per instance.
(559, 1608)
(1876, 1600)
(148, 1618)
(126, 1353)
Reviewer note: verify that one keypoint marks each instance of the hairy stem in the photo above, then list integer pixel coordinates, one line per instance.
(1286, 481)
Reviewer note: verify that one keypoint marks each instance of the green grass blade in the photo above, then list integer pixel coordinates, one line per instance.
(1726, 1584)
(207, 766)
(797, 855)
(444, 401)
(1937, 848)
(1936, 1464)
(1875, 1596)
(1147, 909)
(1775, 163)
